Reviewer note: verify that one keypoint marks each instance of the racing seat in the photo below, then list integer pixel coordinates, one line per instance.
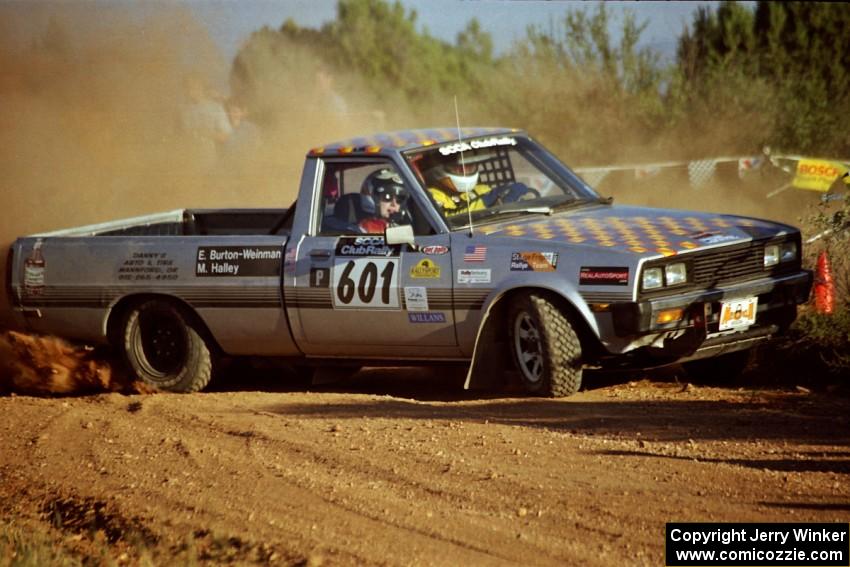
(347, 213)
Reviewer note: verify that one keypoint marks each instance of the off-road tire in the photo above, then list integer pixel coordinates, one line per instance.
(164, 349)
(721, 370)
(545, 347)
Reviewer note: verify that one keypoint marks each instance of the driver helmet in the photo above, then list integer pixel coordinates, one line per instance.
(458, 172)
(382, 185)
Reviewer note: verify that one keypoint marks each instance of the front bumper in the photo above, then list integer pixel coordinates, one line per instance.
(776, 294)
(642, 342)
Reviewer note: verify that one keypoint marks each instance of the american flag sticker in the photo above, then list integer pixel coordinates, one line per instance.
(475, 254)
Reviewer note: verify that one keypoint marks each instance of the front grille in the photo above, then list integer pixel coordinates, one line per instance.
(711, 270)
(719, 267)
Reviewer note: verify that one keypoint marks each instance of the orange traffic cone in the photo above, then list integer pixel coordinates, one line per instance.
(824, 286)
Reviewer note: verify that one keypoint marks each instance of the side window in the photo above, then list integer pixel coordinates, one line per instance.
(364, 198)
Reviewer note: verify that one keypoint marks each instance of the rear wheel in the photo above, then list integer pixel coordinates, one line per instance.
(164, 349)
(545, 346)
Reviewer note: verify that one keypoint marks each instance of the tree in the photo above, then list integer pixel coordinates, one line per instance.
(573, 85)
(788, 59)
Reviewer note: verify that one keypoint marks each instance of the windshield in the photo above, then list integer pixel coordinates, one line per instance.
(496, 176)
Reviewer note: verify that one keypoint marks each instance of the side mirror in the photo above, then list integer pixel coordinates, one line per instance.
(402, 234)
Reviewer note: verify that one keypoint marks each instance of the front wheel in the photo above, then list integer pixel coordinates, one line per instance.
(164, 349)
(545, 346)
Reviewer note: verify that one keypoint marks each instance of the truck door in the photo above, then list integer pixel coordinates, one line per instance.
(356, 295)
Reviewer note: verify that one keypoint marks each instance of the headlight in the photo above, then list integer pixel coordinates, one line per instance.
(675, 273)
(771, 255)
(788, 251)
(652, 278)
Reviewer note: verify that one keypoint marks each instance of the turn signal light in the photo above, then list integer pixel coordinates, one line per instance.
(669, 316)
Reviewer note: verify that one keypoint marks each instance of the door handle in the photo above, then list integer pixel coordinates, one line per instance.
(319, 253)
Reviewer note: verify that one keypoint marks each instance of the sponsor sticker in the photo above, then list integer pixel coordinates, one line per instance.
(473, 276)
(148, 266)
(711, 238)
(534, 261)
(416, 298)
(425, 269)
(603, 275)
(435, 250)
(427, 317)
(34, 271)
(238, 261)
(477, 144)
(365, 246)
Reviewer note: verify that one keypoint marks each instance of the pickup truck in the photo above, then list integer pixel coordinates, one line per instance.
(525, 272)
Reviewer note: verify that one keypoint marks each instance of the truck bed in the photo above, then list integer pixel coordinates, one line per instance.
(189, 222)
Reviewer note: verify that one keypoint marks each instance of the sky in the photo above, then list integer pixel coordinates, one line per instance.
(231, 22)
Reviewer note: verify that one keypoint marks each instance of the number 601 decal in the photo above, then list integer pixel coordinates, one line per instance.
(371, 283)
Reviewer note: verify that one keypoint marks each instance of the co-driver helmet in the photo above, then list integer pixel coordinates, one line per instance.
(382, 185)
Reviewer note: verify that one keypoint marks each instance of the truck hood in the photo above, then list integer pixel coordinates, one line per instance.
(646, 232)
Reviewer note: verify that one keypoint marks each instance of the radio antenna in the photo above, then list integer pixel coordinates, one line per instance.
(463, 167)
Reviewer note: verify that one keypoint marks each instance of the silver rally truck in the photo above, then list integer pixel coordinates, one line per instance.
(530, 273)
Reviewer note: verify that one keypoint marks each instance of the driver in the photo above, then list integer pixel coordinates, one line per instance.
(453, 184)
(383, 196)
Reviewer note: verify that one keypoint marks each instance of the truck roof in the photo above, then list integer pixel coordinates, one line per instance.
(404, 140)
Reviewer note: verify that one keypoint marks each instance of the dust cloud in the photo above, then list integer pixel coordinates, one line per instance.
(90, 124)
(48, 365)
(93, 118)
(93, 128)
(763, 191)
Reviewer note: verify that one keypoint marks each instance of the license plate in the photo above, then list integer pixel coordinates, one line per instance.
(738, 313)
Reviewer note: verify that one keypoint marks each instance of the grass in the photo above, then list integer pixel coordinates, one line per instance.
(26, 546)
(27, 543)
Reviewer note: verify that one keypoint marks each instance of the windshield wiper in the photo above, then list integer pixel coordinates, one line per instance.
(578, 202)
(489, 213)
(540, 210)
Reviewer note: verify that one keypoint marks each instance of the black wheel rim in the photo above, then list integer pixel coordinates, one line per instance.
(162, 340)
(528, 347)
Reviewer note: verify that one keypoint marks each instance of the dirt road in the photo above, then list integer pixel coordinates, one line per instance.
(400, 467)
